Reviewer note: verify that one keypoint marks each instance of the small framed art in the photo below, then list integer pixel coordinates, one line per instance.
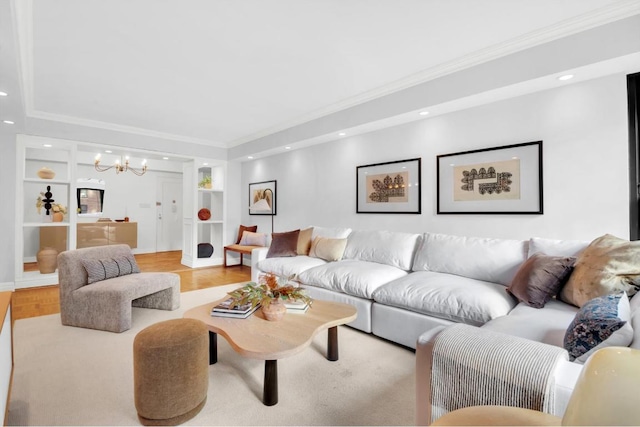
(392, 187)
(262, 198)
(498, 180)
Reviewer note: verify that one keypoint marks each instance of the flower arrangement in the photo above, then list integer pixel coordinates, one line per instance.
(270, 289)
(55, 207)
(206, 182)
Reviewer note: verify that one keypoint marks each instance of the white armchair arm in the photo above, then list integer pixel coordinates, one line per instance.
(562, 374)
(257, 255)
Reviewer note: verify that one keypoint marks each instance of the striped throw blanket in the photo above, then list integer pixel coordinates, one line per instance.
(491, 369)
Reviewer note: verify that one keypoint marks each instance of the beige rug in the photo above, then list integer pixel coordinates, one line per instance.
(73, 376)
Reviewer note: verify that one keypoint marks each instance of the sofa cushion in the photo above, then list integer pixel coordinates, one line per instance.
(540, 278)
(304, 241)
(289, 266)
(352, 277)
(608, 265)
(490, 260)
(546, 325)
(327, 249)
(554, 247)
(384, 247)
(333, 233)
(447, 296)
(601, 322)
(108, 268)
(284, 244)
(635, 320)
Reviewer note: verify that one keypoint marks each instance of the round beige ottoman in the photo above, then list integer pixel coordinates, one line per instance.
(171, 371)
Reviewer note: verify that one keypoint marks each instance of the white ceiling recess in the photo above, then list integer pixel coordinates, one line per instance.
(232, 78)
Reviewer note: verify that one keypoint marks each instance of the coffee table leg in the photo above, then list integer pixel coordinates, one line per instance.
(213, 348)
(332, 344)
(270, 392)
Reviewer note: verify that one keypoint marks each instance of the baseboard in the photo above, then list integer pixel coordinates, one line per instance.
(7, 286)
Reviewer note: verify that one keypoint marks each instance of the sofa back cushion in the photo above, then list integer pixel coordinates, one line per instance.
(554, 247)
(634, 305)
(332, 233)
(491, 260)
(385, 247)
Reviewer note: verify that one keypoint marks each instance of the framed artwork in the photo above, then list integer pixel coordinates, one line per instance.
(262, 198)
(498, 180)
(392, 187)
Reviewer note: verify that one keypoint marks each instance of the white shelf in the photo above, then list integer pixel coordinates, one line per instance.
(45, 224)
(47, 181)
(210, 190)
(210, 222)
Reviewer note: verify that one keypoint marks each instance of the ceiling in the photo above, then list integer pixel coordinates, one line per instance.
(227, 73)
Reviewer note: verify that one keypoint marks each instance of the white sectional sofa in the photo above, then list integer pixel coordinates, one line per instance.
(404, 284)
(409, 287)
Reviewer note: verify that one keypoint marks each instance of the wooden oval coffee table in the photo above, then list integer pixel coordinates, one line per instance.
(257, 338)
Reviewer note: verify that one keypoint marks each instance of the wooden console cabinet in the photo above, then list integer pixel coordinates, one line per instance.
(107, 233)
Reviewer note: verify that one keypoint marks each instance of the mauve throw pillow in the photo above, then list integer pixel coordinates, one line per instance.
(284, 244)
(539, 278)
(243, 228)
(608, 265)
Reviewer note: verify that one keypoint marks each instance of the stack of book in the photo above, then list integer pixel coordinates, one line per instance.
(296, 306)
(224, 309)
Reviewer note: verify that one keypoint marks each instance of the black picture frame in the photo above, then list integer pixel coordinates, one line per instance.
(405, 176)
(259, 190)
(497, 180)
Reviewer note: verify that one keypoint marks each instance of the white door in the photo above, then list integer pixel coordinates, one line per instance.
(169, 215)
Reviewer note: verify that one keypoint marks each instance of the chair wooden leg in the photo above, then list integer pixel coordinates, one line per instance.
(241, 262)
(225, 257)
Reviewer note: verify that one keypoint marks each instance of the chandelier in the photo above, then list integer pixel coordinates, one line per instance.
(121, 167)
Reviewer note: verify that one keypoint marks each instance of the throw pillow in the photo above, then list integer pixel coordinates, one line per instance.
(601, 322)
(102, 269)
(608, 265)
(540, 278)
(304, 241)
(243, 228)
(284, 244)
(253, 239)
(328, 249)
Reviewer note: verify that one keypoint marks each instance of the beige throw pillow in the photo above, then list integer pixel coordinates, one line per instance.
(304, 241)
(608, 265)
(328, 249)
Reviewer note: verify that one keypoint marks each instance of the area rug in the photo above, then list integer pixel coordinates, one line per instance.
(74, 376)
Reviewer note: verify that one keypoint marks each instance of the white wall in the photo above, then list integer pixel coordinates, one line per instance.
(584, 131)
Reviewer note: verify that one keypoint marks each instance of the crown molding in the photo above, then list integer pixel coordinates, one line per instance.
(619, 10)
(23, 10)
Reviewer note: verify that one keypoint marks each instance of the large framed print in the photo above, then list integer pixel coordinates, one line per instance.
(262, 198)
(498, 180)
(392, 187)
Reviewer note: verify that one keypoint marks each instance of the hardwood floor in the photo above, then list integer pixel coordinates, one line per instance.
(45, 300)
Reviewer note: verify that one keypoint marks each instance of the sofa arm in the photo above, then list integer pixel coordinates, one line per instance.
(257, 255)
(503, 355)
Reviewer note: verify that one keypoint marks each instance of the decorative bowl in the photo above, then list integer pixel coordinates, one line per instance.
(46, 173)
(204, 214)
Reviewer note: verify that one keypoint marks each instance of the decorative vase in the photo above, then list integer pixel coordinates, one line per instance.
(47, 260)
(46, 173)
(58, 216)
(274, 311)
(208, 185)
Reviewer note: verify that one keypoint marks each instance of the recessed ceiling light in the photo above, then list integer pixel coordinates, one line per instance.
(287, 148)
(108, 151)
(205, 164)
(9, 122)
(566, 77)
(249, 157)
(3, 93)
(47, 145)
(165, 158)
(424, 113)
(341, 134)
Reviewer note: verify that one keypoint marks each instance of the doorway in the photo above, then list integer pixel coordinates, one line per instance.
(169, 215)
(633, 96)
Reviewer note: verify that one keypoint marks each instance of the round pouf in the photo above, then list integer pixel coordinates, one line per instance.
(171, 371)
